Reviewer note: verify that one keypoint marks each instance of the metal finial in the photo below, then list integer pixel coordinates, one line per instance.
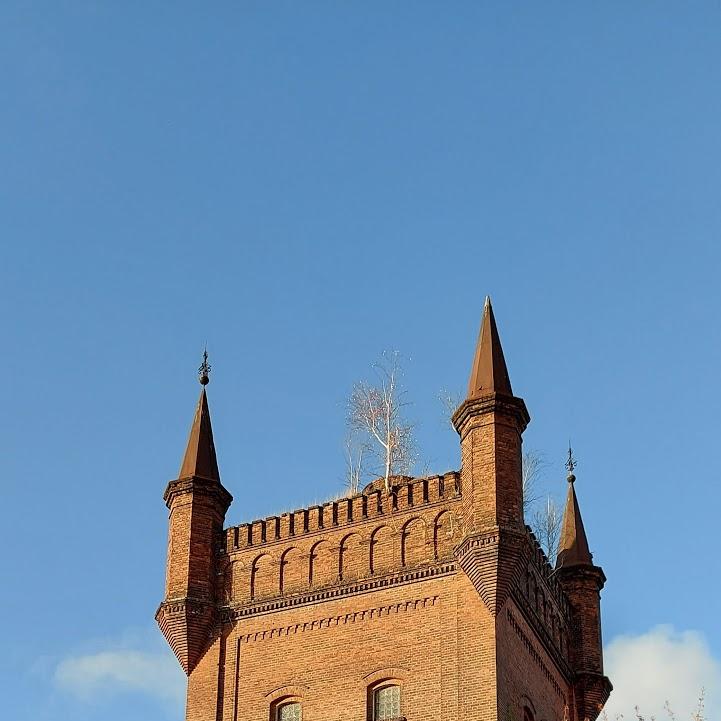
(204, 370)
(571, 464)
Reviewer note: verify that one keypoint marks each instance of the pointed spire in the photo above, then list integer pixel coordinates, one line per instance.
(199, 459)
(489, 373)
(573, 547)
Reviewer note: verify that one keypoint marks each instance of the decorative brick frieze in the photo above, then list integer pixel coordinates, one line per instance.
(232, 613)
(325, 622)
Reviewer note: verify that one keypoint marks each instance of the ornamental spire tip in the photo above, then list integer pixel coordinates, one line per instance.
(571, 464)
(204, 370)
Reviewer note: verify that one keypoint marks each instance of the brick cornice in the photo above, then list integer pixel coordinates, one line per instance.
(234, 612)
(180, 605)
(197, 485)
(491, 403)
(581, 576)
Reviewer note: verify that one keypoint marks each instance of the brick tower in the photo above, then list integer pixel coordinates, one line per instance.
(431, 601)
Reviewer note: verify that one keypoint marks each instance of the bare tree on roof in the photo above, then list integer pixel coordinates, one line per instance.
(375, 411)
(545, 519)
(546, 524)
(450, 402)
(532, 467)
(356, 452)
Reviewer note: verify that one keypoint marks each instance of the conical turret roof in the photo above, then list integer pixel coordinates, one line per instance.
(489, 373)
(199, 459)
(573, 547)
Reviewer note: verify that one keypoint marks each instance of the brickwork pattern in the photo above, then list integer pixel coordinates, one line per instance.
(403, 531)
(437, 587)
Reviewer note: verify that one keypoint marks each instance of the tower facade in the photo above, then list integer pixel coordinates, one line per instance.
(431, 601)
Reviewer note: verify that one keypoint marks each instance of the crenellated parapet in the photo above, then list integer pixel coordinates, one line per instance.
(366, 536)
(406, 493)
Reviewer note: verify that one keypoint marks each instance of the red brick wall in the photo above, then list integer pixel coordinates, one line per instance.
(412, 532)
(527, 674)
(434, 637)
(322, 604)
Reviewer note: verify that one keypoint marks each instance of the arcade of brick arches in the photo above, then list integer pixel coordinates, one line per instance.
(431, 601)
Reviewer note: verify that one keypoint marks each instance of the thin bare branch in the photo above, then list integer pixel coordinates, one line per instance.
(450, 400)
(356, 452)
(375, 411)
(546, 525)
(533, 466)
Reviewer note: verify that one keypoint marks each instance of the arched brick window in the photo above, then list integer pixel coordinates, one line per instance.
(381, 550)
(293, 571)
(528, 714)
(289, 711)
(353, 562)
(323, 564)
(413, 542)
(386, 702)
(443, 540)
(263, 577)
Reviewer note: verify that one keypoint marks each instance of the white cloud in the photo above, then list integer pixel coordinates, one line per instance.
(115, 670)
(658, 666)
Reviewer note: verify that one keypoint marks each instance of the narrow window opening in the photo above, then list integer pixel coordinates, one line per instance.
(289, 712)
(387, 703)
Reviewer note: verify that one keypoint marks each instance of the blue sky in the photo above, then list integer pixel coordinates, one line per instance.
(302, 186)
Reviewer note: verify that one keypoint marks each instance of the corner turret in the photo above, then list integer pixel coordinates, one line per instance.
(490, 423)
(197, 502)
(582, 582)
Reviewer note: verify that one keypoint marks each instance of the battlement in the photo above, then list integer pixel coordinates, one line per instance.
(373, 502)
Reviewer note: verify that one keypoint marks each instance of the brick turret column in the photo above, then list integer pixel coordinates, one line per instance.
(197, 502)
(490, 423)
(582, 581)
